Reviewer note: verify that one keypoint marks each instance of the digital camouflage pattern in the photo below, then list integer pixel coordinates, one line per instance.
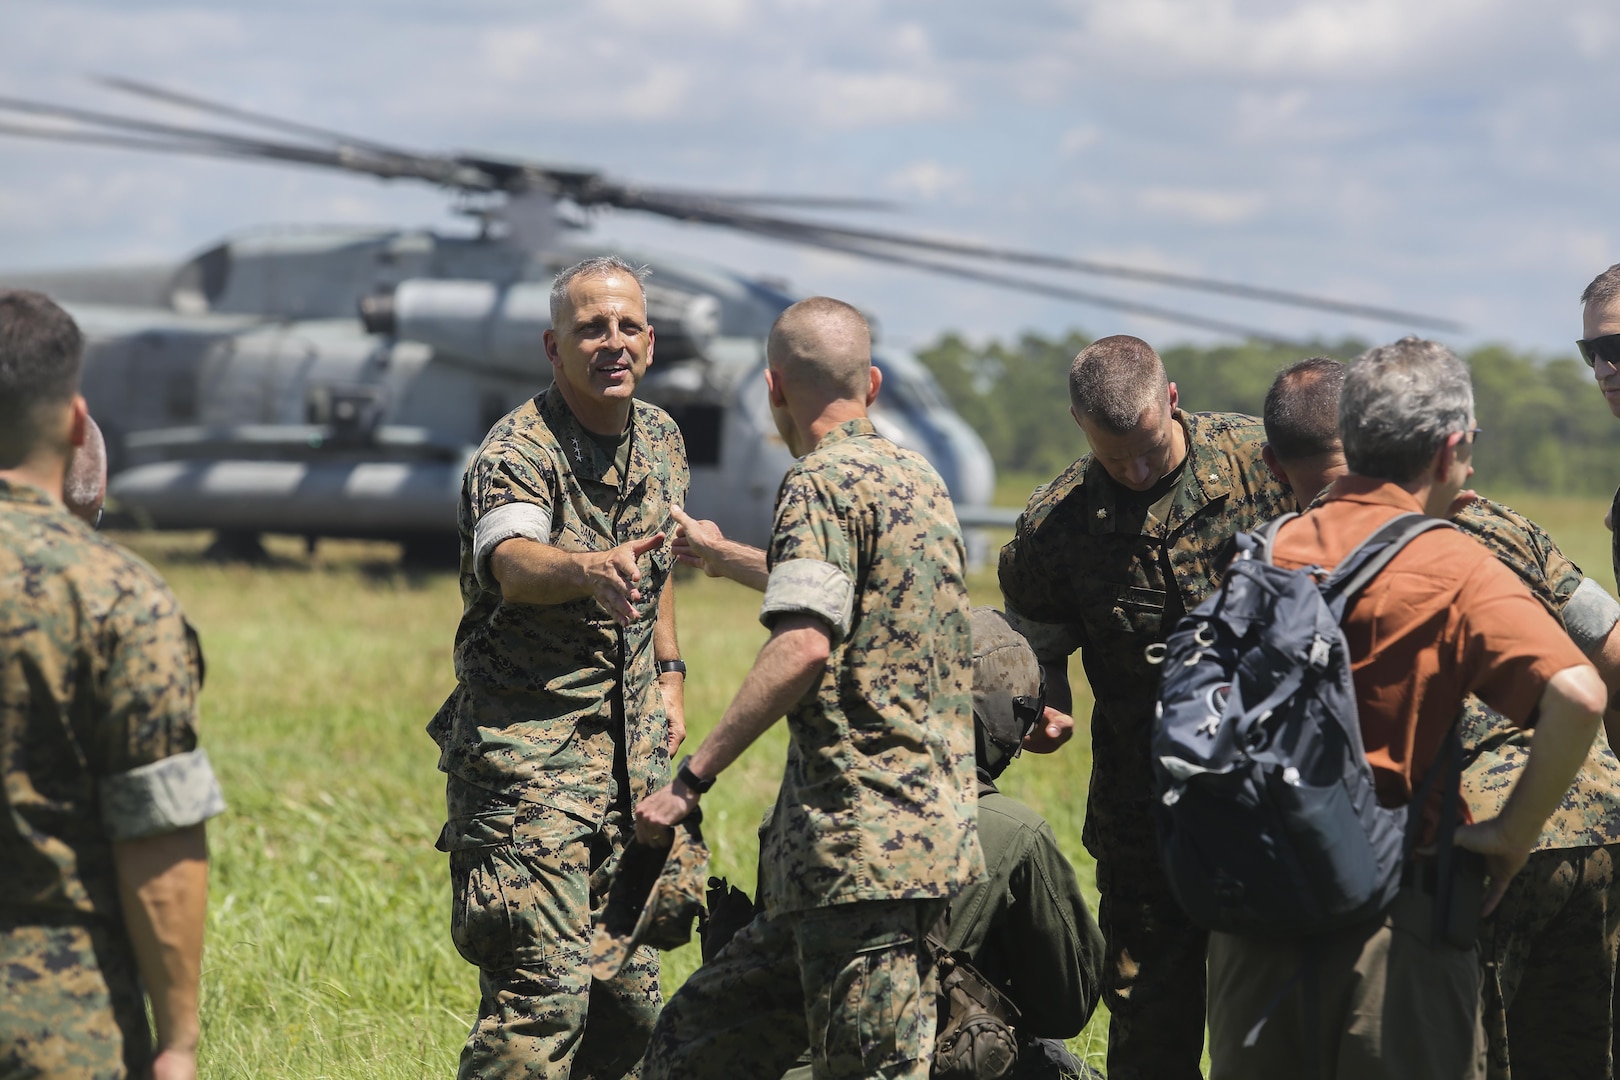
(98, 677)
(528, 886)
(1589, 814)
(655, 896)
(542, 689)
(1548, 951)
(877, 799)
(1090, 569)
(73, 1005)
(855, 982)
(1549, 961)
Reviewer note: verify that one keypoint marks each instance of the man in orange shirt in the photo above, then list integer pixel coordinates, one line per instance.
(1443, 620)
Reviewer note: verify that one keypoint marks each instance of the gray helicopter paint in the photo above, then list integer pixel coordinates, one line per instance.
(303, 422)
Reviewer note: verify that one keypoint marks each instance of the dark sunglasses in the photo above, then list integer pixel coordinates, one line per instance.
(1605, 348)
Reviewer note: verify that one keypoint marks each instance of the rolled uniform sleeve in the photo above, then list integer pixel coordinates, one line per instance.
(511, 491)
(812, 569)
(153, 778)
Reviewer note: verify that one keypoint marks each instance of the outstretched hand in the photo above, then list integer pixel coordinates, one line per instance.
(1055, 729)
(695, 541)
(611, 577)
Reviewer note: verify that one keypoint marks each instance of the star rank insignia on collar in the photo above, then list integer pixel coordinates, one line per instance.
(1102, 515)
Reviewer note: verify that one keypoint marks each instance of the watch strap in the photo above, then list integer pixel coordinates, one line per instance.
(692, 780)
(667, 666)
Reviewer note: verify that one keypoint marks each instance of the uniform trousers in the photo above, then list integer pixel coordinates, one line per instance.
(1377, 1001)
(855, 982)
(1548, 953)
(71, 1006)
(1153, 980)
(525, 904)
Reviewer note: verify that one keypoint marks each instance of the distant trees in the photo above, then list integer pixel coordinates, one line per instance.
(1545, 426)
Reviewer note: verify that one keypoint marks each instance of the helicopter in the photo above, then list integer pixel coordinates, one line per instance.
(335, 382)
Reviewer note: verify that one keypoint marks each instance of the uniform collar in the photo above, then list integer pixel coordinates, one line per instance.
(586, 459)
(1370, 492)
(1203, 481)
(27, 494)
(849, 429)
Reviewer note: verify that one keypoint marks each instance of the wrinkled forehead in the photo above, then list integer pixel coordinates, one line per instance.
(615, 293)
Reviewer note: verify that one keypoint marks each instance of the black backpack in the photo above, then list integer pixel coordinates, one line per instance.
(1269, 823)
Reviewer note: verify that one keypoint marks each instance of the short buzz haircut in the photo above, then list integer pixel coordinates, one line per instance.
(595, 266)
(1604, 287)
(1115, 380)
(823, 343)
(41, 351)
(1399, 405)
(1302, 409)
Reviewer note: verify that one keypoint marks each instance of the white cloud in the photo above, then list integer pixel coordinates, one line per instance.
(1079, 139)
(928, 180)
(1201, 206)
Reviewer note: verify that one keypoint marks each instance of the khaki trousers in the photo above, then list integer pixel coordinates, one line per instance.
(1379, 1001)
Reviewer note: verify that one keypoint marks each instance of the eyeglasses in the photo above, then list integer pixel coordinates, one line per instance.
(1605, 348)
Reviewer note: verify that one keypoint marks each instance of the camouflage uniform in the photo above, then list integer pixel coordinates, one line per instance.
(554, 731)
(1549, 949)
(874, 825)
(1088, 568)
(98, 744)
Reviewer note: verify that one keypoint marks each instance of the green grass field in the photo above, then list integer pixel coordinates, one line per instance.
(328, 947)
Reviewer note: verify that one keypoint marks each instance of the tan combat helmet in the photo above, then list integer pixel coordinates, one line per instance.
(1009, 690)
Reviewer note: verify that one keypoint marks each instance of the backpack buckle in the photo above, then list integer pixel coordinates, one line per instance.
(1321, 651)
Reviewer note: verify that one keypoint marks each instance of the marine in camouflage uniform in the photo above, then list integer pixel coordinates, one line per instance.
(874, 825)
(1090, 567)
(555, 728)
(1549, 949)
(98, 745)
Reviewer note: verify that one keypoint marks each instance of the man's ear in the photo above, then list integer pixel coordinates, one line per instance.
(1174, 399)
(773, 389)
(1269, 456)
(550, 340)
(875, 384)
(1075, 414)
(79, 432)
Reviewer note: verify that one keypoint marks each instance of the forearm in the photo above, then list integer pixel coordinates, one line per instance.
(1570, 710)
(530, 572)
(741, 563)
(163, 888)
(671, 684)
(786, 669)
(1059, 695)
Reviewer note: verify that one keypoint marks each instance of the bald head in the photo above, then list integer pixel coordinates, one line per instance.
(823, 346)
(84, 488)
(1115, 380)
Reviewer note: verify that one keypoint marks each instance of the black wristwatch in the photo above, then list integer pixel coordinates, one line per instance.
(692, 780)
(667, 666)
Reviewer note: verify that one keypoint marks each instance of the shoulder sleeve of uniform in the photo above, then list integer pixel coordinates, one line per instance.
(1034, 565)
(164, 796)
(1524, 548)
(154, 670)
(511, 488)
(812, 565)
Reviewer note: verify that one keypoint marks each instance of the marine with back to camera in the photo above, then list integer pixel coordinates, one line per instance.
(105, 791)
(568, 701)
(1105, 559)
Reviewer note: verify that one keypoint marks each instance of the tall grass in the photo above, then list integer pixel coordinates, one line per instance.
(328, 950)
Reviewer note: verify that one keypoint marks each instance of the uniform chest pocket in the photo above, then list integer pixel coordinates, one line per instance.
(1129, 609)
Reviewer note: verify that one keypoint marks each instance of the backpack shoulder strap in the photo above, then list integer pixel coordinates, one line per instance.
(1369, 557)
(1265, 536)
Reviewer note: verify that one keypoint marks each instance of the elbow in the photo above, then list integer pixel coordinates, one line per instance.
(1581, 692)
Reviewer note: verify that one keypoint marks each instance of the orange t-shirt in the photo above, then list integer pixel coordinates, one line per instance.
(1443, 620)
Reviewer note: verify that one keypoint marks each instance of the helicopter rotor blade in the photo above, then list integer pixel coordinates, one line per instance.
(719, 214)
(291, 127)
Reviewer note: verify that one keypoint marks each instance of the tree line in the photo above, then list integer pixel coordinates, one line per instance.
(1544, 426)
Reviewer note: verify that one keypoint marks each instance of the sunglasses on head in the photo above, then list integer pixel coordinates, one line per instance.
(1605, 348)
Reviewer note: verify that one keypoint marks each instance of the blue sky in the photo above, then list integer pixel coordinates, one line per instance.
(1449, 156)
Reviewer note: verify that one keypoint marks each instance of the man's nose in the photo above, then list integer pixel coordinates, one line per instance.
(615, 339)
(1141, 469)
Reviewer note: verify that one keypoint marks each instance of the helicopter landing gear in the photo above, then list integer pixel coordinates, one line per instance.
(431, 551)
(236, 546)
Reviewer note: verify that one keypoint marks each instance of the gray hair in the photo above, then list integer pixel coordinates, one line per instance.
(1604, 287)
(595, 266)
(1399, 404)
